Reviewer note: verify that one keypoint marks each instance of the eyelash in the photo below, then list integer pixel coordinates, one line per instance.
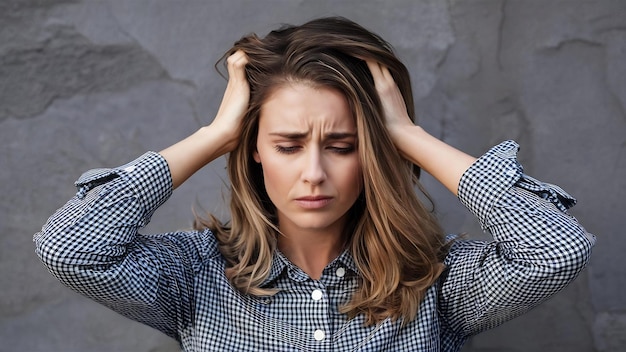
(285, 150)
(343, 151)
(292, 149)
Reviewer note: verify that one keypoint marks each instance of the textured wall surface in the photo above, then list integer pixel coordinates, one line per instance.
(87, 84)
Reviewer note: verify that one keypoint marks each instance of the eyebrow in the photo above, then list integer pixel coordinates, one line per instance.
(302, 135)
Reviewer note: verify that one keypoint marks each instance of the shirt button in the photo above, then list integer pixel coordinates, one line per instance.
(340, 272)
(316, 295)
(319, 335)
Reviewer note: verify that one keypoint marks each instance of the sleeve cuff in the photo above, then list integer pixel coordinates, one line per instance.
(488, 178)
(486, 181)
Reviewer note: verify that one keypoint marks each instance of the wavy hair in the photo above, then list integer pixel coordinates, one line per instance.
(396, 242)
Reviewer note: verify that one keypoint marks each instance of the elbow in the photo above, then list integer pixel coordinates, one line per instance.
(50, 250)
(572, 252)
(558, 260)
(56, 244)
(53, 243)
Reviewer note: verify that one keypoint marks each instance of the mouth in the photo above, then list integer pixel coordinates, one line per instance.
(314, 202)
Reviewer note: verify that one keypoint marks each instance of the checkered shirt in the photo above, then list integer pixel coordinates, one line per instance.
(175, 281)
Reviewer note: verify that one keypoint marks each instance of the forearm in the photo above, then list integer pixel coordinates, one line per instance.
(192, 153)
(444, 162)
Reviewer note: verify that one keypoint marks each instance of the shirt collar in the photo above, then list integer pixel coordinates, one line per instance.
(280, 265)
(345, 259)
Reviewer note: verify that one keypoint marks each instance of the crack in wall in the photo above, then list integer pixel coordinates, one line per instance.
(66, 64)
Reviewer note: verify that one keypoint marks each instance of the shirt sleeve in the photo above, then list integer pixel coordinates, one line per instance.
(537, 248)
(92, 245)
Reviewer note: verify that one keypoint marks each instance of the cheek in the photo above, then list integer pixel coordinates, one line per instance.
(275, 177)
(271, 176)
(354, 178)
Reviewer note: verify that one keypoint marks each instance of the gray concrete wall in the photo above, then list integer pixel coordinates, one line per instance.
(88, 84)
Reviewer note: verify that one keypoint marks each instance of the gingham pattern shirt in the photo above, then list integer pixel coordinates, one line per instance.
(175, 281)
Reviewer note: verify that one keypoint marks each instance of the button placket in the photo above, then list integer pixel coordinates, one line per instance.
(319, 304)
(318, 334)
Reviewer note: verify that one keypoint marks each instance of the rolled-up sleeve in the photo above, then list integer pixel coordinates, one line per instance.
(92, 245)
(537, 247)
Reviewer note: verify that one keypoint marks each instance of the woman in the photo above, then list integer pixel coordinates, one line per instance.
(328, 247)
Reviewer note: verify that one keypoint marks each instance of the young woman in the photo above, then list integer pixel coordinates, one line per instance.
(328, 246)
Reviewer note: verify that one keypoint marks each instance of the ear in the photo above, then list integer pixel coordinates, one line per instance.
(256, 157)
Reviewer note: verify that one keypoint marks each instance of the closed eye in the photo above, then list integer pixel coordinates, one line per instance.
(286, 149)
(342, 150)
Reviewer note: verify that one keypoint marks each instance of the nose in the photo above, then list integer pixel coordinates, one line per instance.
(313, 170)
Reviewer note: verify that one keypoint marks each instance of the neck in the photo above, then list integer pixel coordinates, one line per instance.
(311, 251)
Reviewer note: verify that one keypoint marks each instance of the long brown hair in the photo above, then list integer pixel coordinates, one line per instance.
(397, 244)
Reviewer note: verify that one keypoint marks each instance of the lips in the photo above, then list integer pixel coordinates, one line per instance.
(314, 202)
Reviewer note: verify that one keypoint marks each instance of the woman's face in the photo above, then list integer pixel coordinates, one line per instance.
(307, 148)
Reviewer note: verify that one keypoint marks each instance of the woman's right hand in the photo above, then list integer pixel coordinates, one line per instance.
(222, 135)
(235, 102)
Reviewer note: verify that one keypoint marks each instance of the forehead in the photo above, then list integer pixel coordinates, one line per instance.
(302, 106)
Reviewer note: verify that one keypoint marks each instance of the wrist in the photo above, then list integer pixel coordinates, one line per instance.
(219, 138)
(406, 136)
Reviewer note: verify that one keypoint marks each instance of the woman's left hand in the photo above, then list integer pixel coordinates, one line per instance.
(439, 159)
(394, 108)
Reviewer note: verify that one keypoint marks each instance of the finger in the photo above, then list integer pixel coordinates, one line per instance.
(236, 64)
(383, 80)
(381, 74)
(374, 67)
(236, 56)
(386, 74)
